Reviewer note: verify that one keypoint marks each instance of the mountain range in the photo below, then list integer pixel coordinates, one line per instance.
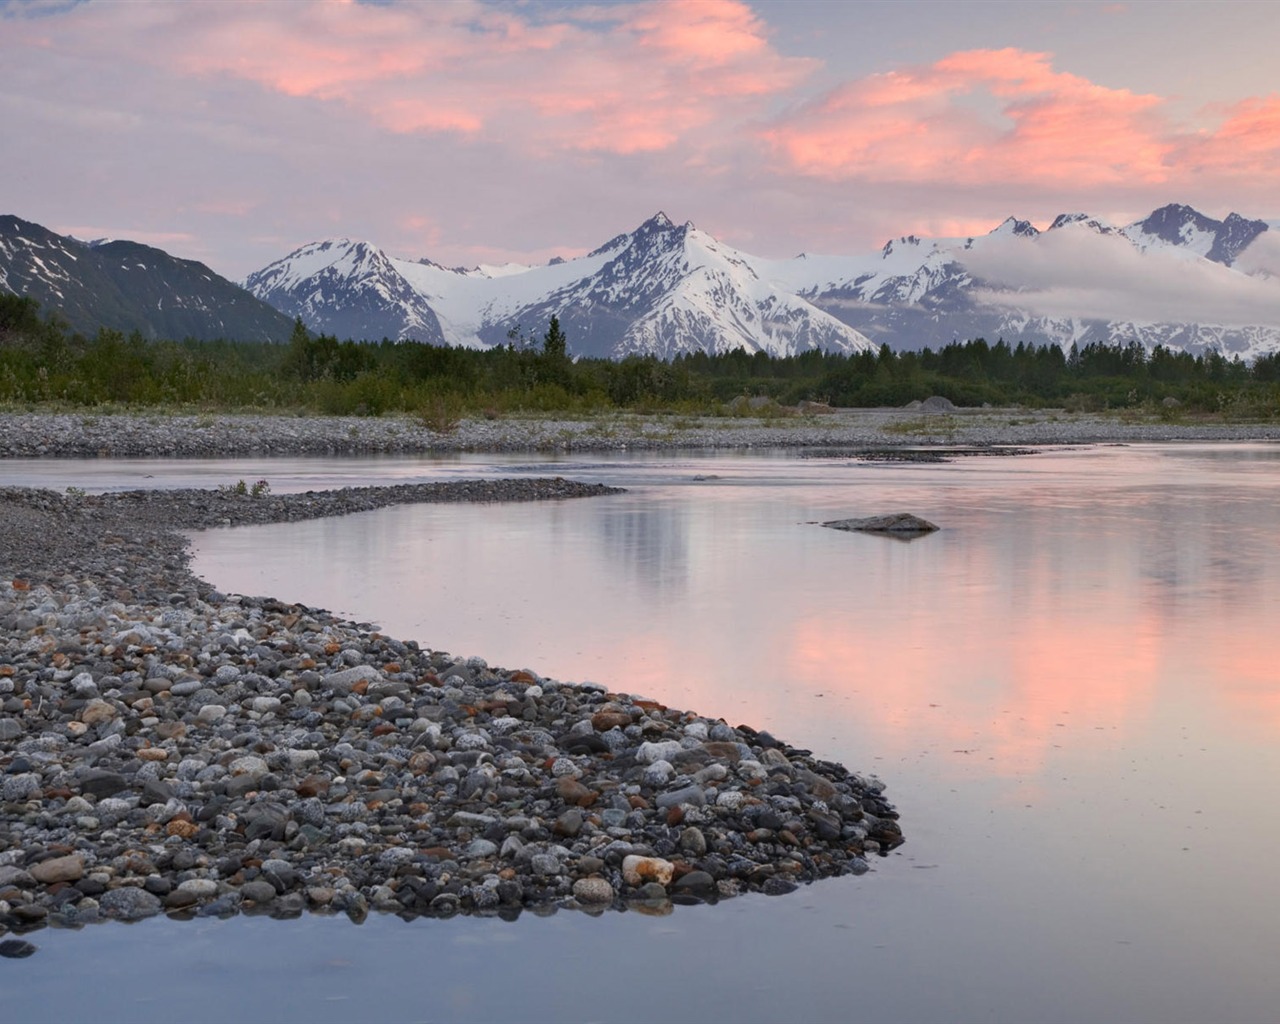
(1177, 277)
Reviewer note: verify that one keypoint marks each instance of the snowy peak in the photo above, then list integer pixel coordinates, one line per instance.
(1182, 227)
(1064, 220)
(1017, 228)
(349, 289)
(1233, 237)
(894, 245)
(664, 290)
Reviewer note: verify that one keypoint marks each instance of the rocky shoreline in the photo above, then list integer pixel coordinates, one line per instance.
(165, 748)
(91, 435)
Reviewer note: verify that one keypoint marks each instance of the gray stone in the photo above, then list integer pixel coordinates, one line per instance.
(102, 783)
(593, 891)
(546, 864)
(259, 891)
(895, 524)
(342, 681)
(17, 789)
(200, 888)
(129, 904)
(694, 795)
(13, 875)
(699, 883)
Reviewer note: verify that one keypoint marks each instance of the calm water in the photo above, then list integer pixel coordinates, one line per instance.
(1073, 692)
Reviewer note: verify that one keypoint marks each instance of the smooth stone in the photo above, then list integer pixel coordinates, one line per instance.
(697, 882)
(593, 891)
(97, 711)
(694, 795)
(200, 888)
(59, 869)
(264, 892)
(481, 849)
(693, 842)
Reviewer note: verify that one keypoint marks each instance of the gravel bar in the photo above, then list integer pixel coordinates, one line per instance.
(165, 748)
(81, 435)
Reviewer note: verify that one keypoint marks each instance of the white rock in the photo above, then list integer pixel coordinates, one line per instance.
(637, 870)
(664, 750)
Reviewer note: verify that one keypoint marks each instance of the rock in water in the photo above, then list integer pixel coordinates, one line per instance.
(16, 949)
(897, 523)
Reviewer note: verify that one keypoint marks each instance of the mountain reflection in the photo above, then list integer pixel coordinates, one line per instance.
(1077, 602)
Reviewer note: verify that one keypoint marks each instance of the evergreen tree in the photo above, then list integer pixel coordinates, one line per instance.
(554, 344)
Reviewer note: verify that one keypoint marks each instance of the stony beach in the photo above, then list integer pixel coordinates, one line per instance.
(165, 748)
(92, 435)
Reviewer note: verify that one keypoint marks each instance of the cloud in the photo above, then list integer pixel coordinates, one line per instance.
(517, 129)
(1008, 118)
(1262, 258)
(1077, 272)
(619, 79)
(977, 116)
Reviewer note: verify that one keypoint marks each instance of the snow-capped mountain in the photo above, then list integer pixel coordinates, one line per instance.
(1181, 227)
(1169, 279)
(1176, 278)
(349, 289)
(660, 290)
(127, 286)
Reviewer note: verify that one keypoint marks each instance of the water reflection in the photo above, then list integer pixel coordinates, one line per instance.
(1092, 585)
(651, 547)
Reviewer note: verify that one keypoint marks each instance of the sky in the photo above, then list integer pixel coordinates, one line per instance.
(485, 132)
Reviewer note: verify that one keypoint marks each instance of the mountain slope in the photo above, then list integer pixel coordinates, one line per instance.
(349, 289)
(127, 286)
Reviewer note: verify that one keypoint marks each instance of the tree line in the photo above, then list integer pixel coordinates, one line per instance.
(42, 361)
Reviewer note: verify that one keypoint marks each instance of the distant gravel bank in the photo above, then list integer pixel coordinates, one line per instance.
(80, 435)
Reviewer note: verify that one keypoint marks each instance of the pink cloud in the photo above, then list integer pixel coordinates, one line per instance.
(978, 117)
(622, 79)
(1247, 142)
(602, 112)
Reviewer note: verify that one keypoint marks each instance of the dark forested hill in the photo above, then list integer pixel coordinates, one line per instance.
(128, 286)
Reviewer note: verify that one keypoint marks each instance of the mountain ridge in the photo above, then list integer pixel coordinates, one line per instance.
(128, 286)
(1175, 277)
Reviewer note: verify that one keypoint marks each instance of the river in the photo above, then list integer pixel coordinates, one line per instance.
(1072, 691)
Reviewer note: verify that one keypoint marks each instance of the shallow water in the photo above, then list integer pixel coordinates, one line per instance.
(1071, 691)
